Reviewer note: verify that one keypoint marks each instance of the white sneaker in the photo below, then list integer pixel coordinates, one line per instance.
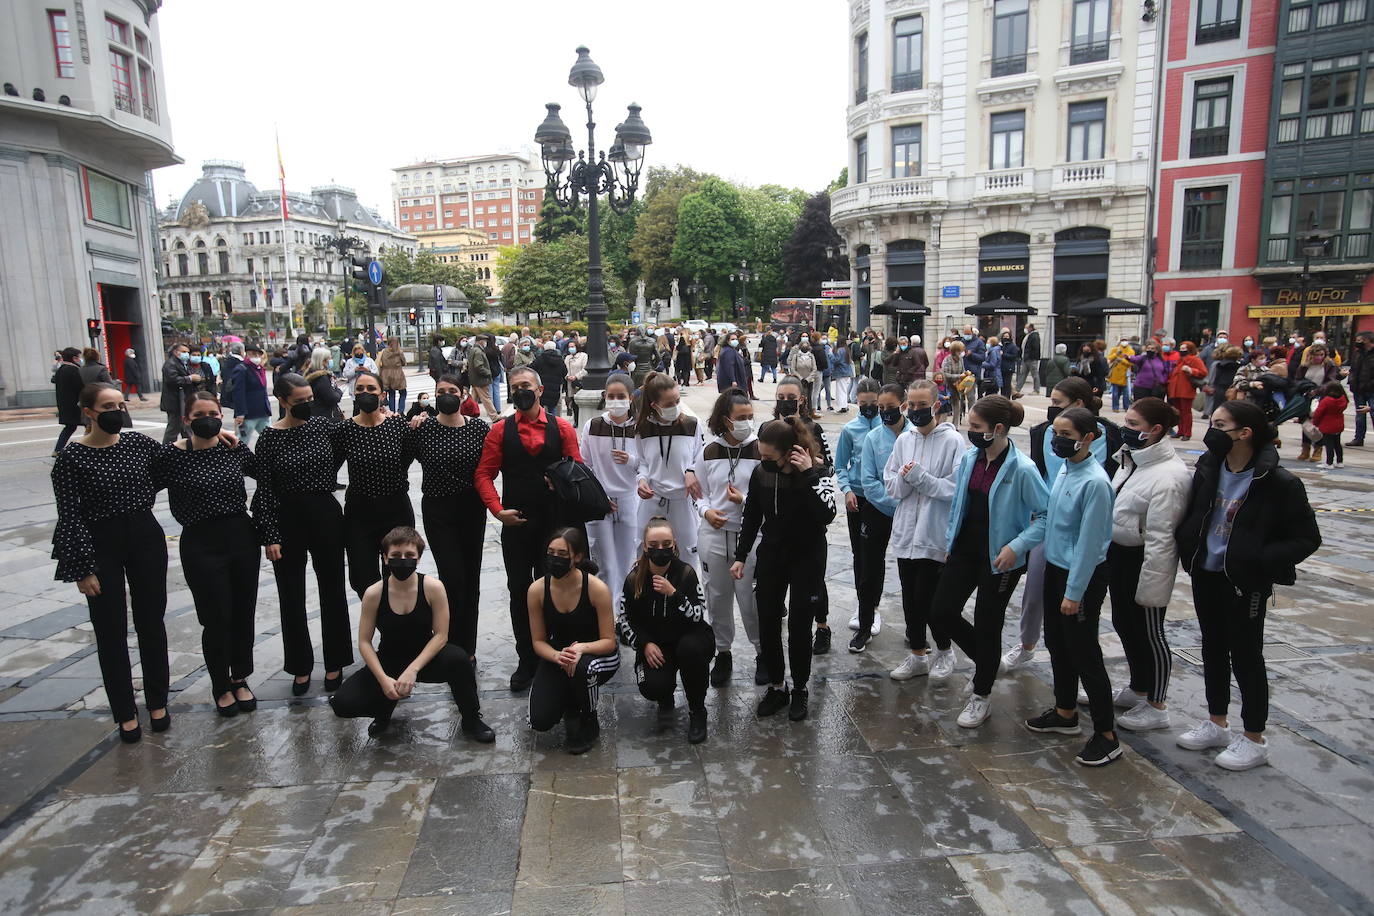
(943, 666)
(1243, 754)
(912, 666)
(1143, 718)
(1204, 735)
(877, 623)
(975, 713)
(1016, 657)
(1340, 464)
(854, 621)
(1126, 698)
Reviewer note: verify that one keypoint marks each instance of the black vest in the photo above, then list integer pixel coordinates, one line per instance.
(522, 475)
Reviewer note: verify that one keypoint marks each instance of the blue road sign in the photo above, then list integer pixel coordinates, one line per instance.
(374, 272)
(438, 296)
(949, 292)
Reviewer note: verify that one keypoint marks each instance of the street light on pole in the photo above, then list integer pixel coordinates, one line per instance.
(744, 275)
(1314, 246)
(343, 244)
(694, 290)
(615, 174)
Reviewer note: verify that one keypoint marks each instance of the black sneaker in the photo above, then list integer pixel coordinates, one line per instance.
(1052, 721)
(1099, 751)
(665, 707)
(722, 669)
(800, 697)
(1355, 443)
(860, 641)
(478, 730)
(696, 725)
(379, 726)
(774, 699)
(822, 643)
(583, 738)
(761, 678)
(522, 678)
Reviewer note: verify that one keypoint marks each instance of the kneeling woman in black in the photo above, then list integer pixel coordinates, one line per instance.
(576, 648)
(663, 618)
(411, 611)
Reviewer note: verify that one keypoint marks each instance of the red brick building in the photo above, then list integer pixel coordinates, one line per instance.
(498, 194)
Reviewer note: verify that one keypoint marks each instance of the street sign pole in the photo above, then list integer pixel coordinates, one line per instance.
(375, 274)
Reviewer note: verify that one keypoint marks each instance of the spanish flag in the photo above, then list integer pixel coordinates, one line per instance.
(281, 172)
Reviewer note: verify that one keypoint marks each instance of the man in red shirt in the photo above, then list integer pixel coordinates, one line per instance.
(521, 448)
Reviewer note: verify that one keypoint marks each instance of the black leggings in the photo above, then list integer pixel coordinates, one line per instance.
(221, 558)
(554, 694)
(854, 520)
(367, 519)
(1141, 629)
(965, 572)
(1334, 450)
(312, 523)
(130, 547)
(456, 526)
(1075, 654)
(789, 583)
(360, 696)
(1232, 641)
(875, 532)
(522, 549)
(690, 656)
(919, 581)
(62, 437)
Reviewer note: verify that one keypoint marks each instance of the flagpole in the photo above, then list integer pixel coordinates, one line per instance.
(285, 239)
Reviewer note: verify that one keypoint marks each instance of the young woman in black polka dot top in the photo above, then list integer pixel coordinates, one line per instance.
(448, 448)
(220, 554)
(106, 534)
(378, 448)
(297, 512)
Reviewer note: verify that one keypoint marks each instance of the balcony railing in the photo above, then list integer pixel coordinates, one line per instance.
(1005, 181)
(860, 95)
(1222, 30)
(1095, 173)
(892, 192)
(1200, 255)
(1210, 141)
(124, 102)
(1088, 52)
(1006, 66)
(905, 82)
(150, 112)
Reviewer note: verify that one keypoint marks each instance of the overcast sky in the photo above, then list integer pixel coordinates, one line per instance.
(752, 90)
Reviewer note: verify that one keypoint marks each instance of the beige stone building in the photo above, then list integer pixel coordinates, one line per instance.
(466, 246)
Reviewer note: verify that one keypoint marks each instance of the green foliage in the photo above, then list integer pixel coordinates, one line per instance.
(617, 233)
(805, 261)
(425, 267)
(548, 277)
(651, 247)
(772, 217)
(314, 314)
(554, 224)
(841, 181)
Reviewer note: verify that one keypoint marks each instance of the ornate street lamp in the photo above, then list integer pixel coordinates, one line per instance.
(614, 174)
(744, 275)
(695, 289)
(1313, 246)
(344, 245)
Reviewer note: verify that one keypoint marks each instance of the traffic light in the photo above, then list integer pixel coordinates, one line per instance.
(413, 317)
(93, 327)
(358, 277)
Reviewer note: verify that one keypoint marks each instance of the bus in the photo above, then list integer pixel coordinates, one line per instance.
(795, 313)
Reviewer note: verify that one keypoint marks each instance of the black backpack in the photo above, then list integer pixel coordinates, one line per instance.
(580, 495)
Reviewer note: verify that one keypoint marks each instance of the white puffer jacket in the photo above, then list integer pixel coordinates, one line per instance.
(1151, 496)
(925, 494)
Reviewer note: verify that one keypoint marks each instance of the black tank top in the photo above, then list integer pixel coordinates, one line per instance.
(404, 636)
(578, 625)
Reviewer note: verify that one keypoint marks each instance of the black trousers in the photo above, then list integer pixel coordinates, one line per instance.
(789, 583)
(456, 527)
(312, 524)
(1232, 641)
(856, 544)
(1075, 653)
(62, 437)
(522, 549)
(690, 656)
(360, 695)
(966, 572)
(682, 374)
(130, 548)
(920, 578)
(1141, 628)
(175, 430)
(367, 519)
(875, 532)
(221, 558)
(553, 694)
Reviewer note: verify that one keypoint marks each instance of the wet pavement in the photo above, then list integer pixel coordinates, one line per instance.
(878, 803)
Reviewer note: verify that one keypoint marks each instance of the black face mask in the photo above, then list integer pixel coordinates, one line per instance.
(401, 567)
(206, 427)
(1134, 438)
(660, 556)
(302, 411)
(890, 415)
(1218, 442)
(782, 465)
(788, 408)
(367, 402)
(447, 403)
(920, 416)
(556, 566)
(110, 421)
(1051, 412)
(868, 411)
(980, 440)
(523, 398)
(1064, 447)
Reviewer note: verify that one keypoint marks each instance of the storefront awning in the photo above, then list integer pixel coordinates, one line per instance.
(1000, 306)
(1343, 310)
(1107, 306)
(899, 306)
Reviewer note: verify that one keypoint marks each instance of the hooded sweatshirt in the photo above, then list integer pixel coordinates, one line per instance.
(720, 464)
(848, 452)
(1151, 495)
(1078, 528)
(603, 434)
(924, 495)
(877, 448)
(666, 453)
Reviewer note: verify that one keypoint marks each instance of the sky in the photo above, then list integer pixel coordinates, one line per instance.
(752, 90)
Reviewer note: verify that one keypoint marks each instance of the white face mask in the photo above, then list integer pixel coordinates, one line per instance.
(617, 407)
(741, 429)
(572, 349)
(668, 414)
(629, 367)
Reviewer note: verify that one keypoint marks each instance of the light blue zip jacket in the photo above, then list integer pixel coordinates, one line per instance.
(847, 452)
(877, 448)
(1016, 505)
(1053, 462)
(1079, 528)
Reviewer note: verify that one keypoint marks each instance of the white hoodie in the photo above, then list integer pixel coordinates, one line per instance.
(1152, 486)
(715, 473)
(926, 493)
(666, 452)
(602, 434)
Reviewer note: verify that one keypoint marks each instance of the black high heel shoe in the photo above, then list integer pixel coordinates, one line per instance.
(332, 684)
(229, 711)
(161, 725)
(131, 735)
(300, 688)
(247, 705)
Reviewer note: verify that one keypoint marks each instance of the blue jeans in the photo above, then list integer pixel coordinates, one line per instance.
(1121, 397)
(251, 428)
(1360, 419)
(396, 400)
(764, 370)
(496, 390)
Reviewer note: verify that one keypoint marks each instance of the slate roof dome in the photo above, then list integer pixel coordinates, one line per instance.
(223, 187)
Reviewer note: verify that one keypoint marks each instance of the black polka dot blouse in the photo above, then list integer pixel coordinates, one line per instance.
(207, 483)
(378, 456)
(449, 455)
(291, 462)
(91, 484)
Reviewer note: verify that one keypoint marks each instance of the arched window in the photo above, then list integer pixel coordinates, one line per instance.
(223, 254)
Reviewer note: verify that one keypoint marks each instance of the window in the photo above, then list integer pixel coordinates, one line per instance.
(1087, 130)
(223, 262)
(107, 200)
(120, 64)
(1318, 100)
(61, 44)
(141, 44)
(1008, 140)
(183, 265)
(1091, 22)
(906, 54)
(1010, 23)
(116, 30)
(203, 262)
(1217, 20)
(1339, 207)
(1211, 118)
(250, 267)
(906, 151)
(1328, 13)
(1204, 228)
(861, 159)
(861, 68)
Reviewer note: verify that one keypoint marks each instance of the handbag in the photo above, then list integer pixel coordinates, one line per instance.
(1310, 432)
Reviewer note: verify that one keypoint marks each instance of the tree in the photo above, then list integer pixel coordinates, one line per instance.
(617, 232)
(772, 213)
(804, 257)
(314, 313)
(554, 224)
(651, 247)
(549, 277)
(841, 181)
(425, 267)
(710, 240)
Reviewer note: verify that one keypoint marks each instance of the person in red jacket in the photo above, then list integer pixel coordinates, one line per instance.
(1187, 374)
(1329, 417)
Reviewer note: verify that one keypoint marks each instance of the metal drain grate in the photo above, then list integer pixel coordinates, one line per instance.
(1273, 652)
